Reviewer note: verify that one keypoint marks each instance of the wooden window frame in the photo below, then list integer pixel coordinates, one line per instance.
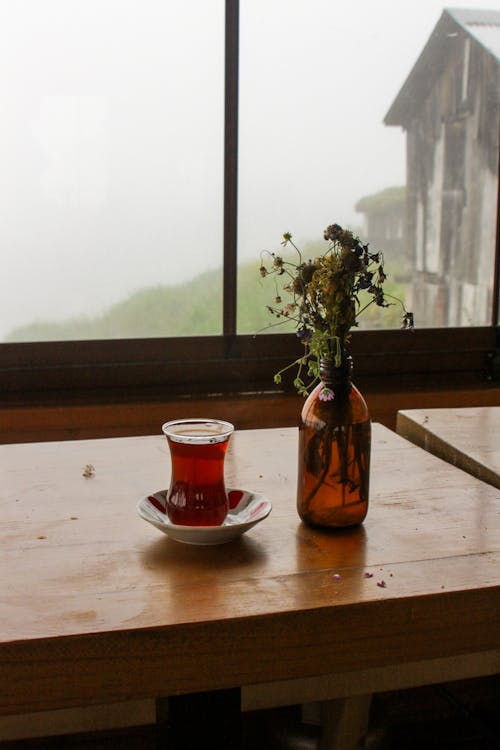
(227, 365)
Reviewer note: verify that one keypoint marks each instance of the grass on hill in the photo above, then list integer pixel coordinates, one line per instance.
(193, 308)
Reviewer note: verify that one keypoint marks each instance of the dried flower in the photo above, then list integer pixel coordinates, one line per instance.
(408, 324)
(88, 471)
(325, 299)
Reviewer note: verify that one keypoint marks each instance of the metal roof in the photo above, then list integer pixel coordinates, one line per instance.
(483, 26)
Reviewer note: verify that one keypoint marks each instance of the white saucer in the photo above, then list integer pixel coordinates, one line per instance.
(246, 509)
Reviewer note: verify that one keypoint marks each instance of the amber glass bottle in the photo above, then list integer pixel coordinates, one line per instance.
(334, 451)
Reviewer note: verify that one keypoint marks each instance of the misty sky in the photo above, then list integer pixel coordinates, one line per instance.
(111, 135)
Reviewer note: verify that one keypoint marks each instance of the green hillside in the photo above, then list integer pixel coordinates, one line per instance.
(190, 309)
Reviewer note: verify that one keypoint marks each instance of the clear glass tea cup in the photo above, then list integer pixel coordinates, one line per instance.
(197, 495)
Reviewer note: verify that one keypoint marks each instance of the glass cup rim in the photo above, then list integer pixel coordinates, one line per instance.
(210, 438)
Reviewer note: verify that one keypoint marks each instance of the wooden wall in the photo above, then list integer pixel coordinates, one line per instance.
(20, 423)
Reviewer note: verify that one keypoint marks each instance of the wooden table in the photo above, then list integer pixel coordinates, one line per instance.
(468, 438)
(97, 606)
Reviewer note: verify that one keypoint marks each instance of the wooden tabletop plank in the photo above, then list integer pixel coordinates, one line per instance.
(100, 606)
(468, 438)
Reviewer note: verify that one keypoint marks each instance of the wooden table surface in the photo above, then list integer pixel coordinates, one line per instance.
(468, 437)
(97, 606)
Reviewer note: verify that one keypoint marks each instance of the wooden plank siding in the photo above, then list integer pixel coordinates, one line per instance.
(450, 109)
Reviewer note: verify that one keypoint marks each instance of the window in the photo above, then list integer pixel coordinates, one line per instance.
(285, 159)
(112, 167)
(385, 119)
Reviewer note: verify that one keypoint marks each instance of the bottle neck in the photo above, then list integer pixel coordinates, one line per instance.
(333, 376)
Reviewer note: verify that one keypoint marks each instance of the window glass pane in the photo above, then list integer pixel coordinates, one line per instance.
(111, 179)
(382, 117)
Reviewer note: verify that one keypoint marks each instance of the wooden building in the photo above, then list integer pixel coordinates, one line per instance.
(384, 220)
(449, 108)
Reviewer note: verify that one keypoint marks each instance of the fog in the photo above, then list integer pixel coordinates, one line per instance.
(111, 136)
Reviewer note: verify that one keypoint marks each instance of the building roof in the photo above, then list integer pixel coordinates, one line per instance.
(482, 26)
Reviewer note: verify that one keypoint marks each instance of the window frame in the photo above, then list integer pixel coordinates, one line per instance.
(110, 370)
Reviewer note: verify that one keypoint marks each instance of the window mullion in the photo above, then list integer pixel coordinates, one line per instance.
(496, 273)
(230, 168)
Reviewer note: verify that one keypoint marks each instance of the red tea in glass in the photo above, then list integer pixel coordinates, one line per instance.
(197, 494)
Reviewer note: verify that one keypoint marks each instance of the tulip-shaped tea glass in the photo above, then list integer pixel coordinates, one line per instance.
(197, 494)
